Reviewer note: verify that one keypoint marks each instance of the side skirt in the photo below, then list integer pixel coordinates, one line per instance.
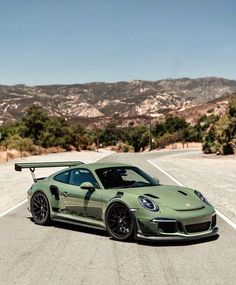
(67, 220)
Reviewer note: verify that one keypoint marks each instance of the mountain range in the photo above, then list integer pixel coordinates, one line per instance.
(134, 101)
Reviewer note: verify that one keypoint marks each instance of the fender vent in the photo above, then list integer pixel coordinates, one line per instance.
(54, 191)
(119, 194)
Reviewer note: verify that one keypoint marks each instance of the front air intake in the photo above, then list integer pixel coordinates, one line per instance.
(195, 228)
(213, 222)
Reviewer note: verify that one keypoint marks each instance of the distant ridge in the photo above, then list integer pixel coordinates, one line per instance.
(100, 101)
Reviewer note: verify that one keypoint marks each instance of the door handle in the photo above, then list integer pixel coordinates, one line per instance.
(65, 194)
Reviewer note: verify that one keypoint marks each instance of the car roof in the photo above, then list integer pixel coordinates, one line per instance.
(93, 166)
(99, 165)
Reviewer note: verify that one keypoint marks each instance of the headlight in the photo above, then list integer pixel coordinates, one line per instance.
(148, 204)
(202, 197)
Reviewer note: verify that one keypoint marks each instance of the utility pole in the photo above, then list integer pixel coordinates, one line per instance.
(97, 138)
(6, 152)
(150, 131)
(96, 128)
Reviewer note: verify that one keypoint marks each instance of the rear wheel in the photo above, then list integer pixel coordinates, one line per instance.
(119, 222)
(40, 209)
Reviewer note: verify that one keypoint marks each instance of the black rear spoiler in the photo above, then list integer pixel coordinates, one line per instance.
(32, 166)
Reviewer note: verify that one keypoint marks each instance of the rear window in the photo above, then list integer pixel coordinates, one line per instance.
(63, 177)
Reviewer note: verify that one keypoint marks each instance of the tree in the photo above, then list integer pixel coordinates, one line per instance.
(224, 135)
(203, 124)
(34, 123)
(232, 107)
(159, 129)
(220, 137)
(138, 137)
(111, 135)
(208, 140)
(174, 124)
(56, 132)
(81, 138)
(172, 130)
(167, 139)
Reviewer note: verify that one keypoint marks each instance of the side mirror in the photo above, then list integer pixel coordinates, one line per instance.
(87, 186)
(156, 180)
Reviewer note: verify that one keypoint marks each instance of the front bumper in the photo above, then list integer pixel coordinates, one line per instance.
(178, 237)
(170, 229)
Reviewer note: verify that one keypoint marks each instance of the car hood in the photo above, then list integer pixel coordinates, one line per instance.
(174, 197)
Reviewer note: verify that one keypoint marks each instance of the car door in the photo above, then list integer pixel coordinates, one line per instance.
(82, 202)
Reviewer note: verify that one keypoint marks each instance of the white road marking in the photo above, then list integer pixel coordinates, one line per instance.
(227, 220)
(24, 201)
(166, 173)
(12, 208)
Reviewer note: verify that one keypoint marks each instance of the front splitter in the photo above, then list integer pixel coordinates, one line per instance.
(178, 238)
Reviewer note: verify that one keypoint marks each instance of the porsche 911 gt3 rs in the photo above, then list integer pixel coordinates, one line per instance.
(121, 199)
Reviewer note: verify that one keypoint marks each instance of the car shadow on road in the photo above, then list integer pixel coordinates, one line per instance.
(100, 232)
(78, 228)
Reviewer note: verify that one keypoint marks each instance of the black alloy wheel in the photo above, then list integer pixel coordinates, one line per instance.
(40, 209)
(119, 222)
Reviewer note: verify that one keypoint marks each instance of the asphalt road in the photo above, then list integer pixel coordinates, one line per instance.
(64, 254)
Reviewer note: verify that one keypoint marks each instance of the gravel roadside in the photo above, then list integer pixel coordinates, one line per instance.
(214, 176)
(13, 185)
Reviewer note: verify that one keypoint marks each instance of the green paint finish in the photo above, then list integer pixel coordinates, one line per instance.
(178, 212)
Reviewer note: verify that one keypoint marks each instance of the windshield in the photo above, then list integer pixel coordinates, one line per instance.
(125, 177)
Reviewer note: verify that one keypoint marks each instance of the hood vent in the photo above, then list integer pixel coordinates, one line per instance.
(183, 193)
(151, 196)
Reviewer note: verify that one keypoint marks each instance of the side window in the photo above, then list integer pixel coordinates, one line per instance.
(63, 177)
(79, 176)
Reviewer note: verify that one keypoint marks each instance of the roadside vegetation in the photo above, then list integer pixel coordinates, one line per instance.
(38, 133)
(220, 132)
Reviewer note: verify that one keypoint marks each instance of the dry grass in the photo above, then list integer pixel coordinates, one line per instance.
(186, 145)
(13, 154)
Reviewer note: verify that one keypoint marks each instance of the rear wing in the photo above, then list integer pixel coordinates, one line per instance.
(32, 166)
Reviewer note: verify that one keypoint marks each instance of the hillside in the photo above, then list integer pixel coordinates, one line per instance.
(133, 100)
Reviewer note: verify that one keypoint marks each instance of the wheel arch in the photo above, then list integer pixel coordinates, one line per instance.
(119, 201)
(115, 201)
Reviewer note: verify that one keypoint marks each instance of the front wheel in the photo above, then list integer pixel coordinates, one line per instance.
(40, 209)
(119, 222)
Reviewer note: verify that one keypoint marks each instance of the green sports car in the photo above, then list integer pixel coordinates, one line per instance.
(121, 199)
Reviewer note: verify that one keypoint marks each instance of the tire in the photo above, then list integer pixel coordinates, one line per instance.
(119, 222)
(40, 209)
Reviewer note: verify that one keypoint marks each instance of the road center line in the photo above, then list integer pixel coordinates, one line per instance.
(227, 220)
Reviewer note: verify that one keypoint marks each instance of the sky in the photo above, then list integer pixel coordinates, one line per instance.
(79, 41)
